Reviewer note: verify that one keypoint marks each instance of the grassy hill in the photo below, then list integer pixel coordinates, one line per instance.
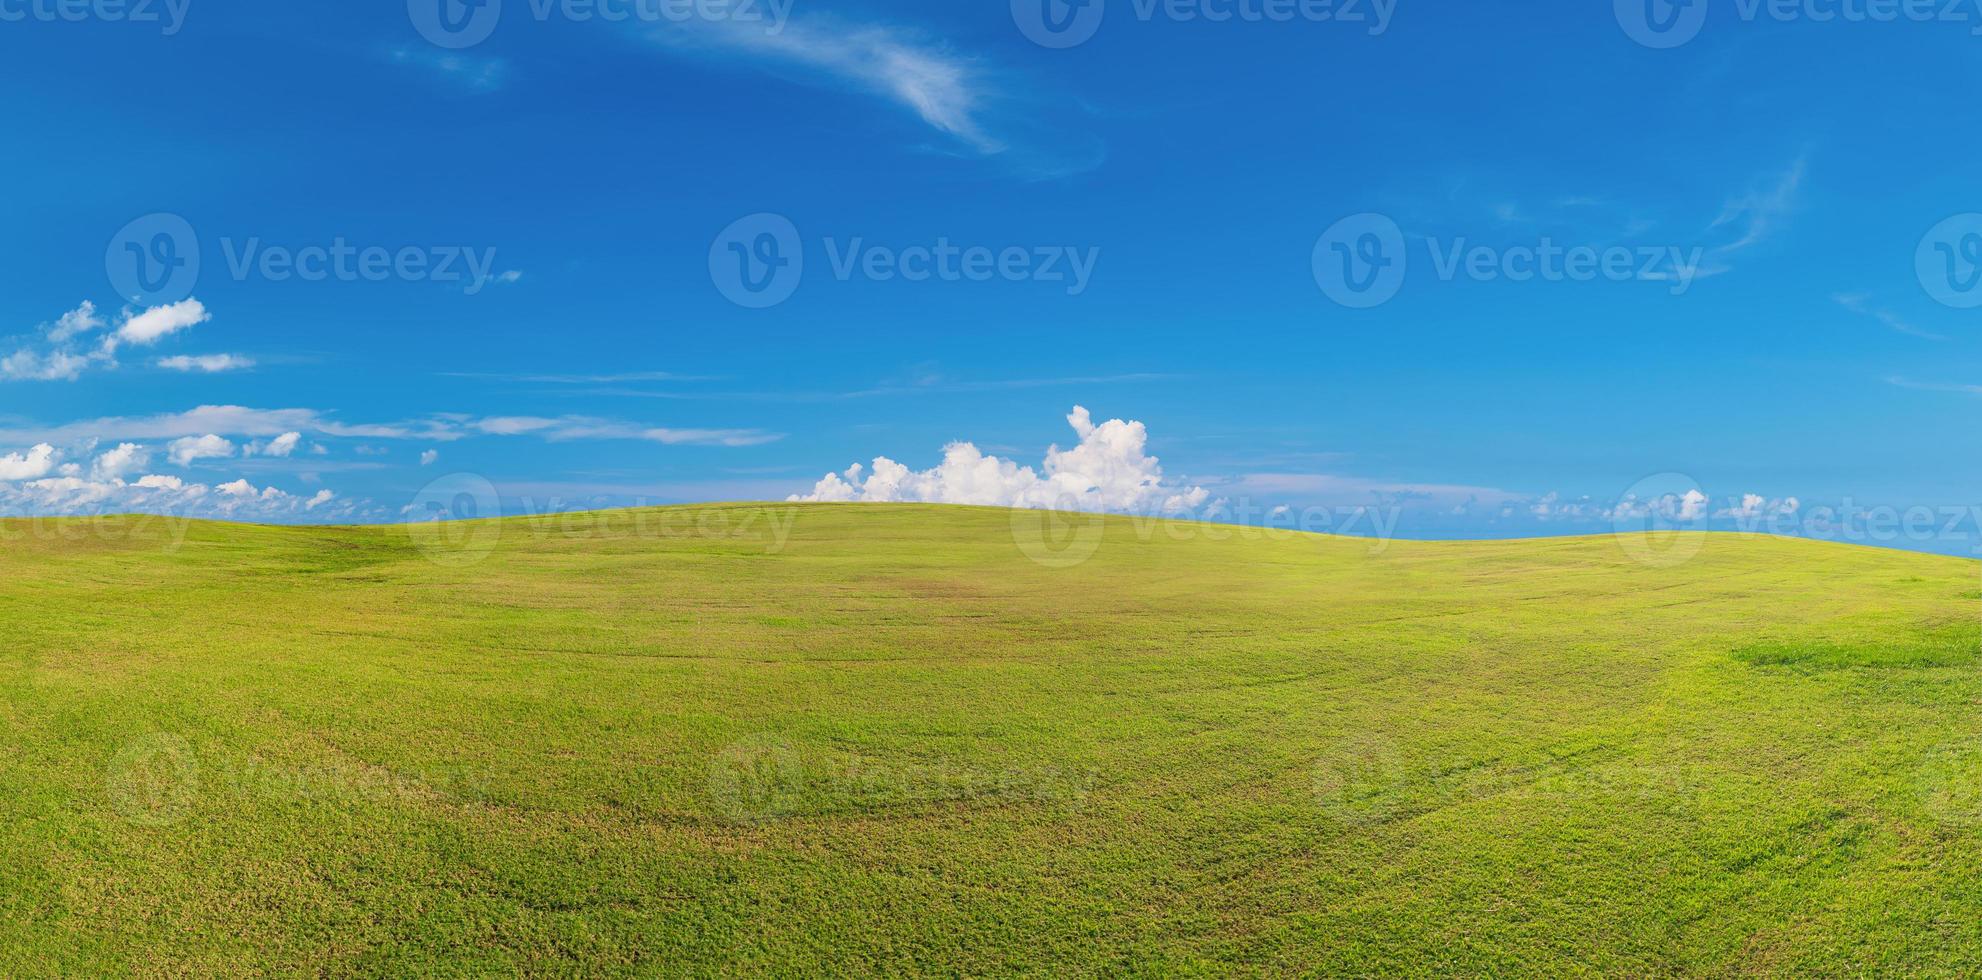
(849, 739)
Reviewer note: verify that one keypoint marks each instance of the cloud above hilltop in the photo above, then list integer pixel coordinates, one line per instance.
(1109, 470)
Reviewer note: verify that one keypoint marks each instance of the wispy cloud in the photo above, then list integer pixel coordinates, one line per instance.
(631, 377)
(1761, 211)
(572, 428)
(926, 385)
(471, 72)
(982, 110)
(206, 363)
(1912, 385)
(239, 422)
(945, 90)
(1859, 303)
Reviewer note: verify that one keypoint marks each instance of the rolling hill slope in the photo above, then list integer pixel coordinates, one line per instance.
(842, 739)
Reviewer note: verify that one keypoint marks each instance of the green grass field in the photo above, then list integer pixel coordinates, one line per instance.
(869, 739)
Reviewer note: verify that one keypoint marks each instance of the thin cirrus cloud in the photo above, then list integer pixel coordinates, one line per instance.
(253, 423)
(206, 363)
(984, 112)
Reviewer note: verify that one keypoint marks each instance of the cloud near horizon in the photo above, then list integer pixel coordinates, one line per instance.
(1110, 470)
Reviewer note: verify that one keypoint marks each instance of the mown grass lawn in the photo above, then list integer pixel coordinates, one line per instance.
(867, 739)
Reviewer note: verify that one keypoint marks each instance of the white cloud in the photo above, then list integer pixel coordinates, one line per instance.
(1755, 507)
(280, 447)
(1757, 214)
(207, 363)
(31, 465)
(81, 320)
(1859, 303)
(170, 495)
(1108, 470)
(27, 365)
(251, 423)
(63, 360)
(159, 322)
(430, 457)
(184, 452)
(940, 87)
(122, 461)
(572, 428)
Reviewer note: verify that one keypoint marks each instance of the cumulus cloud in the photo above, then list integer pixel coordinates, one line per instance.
(280, 447)
(155, 494)
(122, 461)
(81, 320)
(1755, 507)
(183, 452)
(64, 358)
(1109, 470)
(27, 365)
(159, 322)
(33, 464)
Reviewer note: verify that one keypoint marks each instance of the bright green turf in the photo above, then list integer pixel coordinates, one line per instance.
(896, 744)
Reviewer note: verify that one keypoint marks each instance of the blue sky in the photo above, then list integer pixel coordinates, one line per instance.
(965, 233)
